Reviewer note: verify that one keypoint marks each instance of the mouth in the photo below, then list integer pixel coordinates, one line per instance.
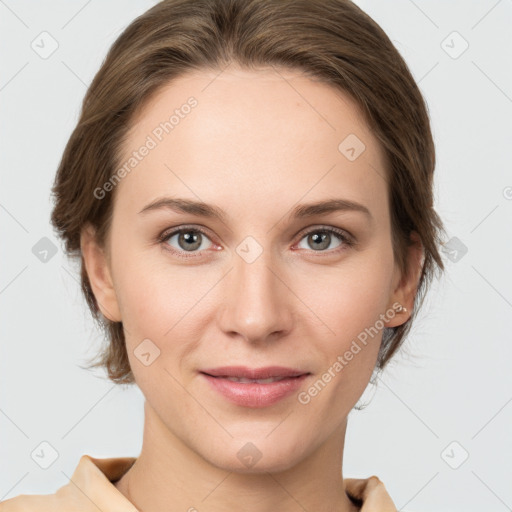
(255, 388)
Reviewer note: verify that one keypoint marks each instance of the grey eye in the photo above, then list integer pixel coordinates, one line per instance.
(188, 240)
(321, 239)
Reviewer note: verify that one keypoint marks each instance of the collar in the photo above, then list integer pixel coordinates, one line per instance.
(91, 489)
(370, 492)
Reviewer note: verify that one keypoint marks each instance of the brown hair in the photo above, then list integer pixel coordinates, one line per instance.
(331, 40)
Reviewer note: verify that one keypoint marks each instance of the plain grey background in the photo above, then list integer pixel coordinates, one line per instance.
(437, 429)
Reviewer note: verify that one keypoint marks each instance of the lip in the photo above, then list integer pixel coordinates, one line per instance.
(255, 395)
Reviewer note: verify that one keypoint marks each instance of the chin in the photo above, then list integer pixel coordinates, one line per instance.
(254, 456)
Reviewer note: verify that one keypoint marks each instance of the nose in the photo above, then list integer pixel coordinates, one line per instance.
(258, 301)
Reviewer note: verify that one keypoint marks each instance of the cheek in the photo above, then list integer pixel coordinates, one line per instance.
(161, 302)
(349, 347)
(154, 311)
(347, 298)
(152, 293)
(349, 301)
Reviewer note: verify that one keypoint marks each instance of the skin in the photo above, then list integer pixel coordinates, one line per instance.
(258, 143)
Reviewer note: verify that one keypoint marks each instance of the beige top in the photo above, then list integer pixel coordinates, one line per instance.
(91, 489)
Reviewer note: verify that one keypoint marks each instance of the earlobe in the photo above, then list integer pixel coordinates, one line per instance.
(402, 300)
(98, 271)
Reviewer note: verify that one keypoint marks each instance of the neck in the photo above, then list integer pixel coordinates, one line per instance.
(169, 475)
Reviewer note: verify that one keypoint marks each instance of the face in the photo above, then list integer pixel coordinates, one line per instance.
(260, 285)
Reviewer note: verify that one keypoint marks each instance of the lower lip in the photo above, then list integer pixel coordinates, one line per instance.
(254, 394)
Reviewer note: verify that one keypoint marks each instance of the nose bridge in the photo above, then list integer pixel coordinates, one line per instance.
(258, 302)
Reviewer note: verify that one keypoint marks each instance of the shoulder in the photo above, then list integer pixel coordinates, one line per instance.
(371, 492)
(38, 502)
(25, 502)
(90, 489)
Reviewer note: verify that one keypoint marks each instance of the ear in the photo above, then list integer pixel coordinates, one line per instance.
(407, 285)
(98, 271)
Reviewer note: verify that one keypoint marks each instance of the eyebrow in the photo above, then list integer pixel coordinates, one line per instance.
(201, 209)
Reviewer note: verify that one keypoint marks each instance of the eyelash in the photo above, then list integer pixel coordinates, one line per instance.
(347, 240)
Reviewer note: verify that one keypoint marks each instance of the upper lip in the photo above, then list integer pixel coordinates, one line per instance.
(253, 373)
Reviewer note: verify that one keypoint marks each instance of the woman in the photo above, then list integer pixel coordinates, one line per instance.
(249, 191)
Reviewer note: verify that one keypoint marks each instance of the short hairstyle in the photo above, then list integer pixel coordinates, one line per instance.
(332, 41)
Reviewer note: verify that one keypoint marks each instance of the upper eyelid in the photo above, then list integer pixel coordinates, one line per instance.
(320, 227)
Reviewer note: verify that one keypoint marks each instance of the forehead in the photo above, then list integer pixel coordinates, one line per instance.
(261, 135)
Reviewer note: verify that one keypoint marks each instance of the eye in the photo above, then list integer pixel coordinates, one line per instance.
(186, 240)
(193, 240)
(321, 238)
